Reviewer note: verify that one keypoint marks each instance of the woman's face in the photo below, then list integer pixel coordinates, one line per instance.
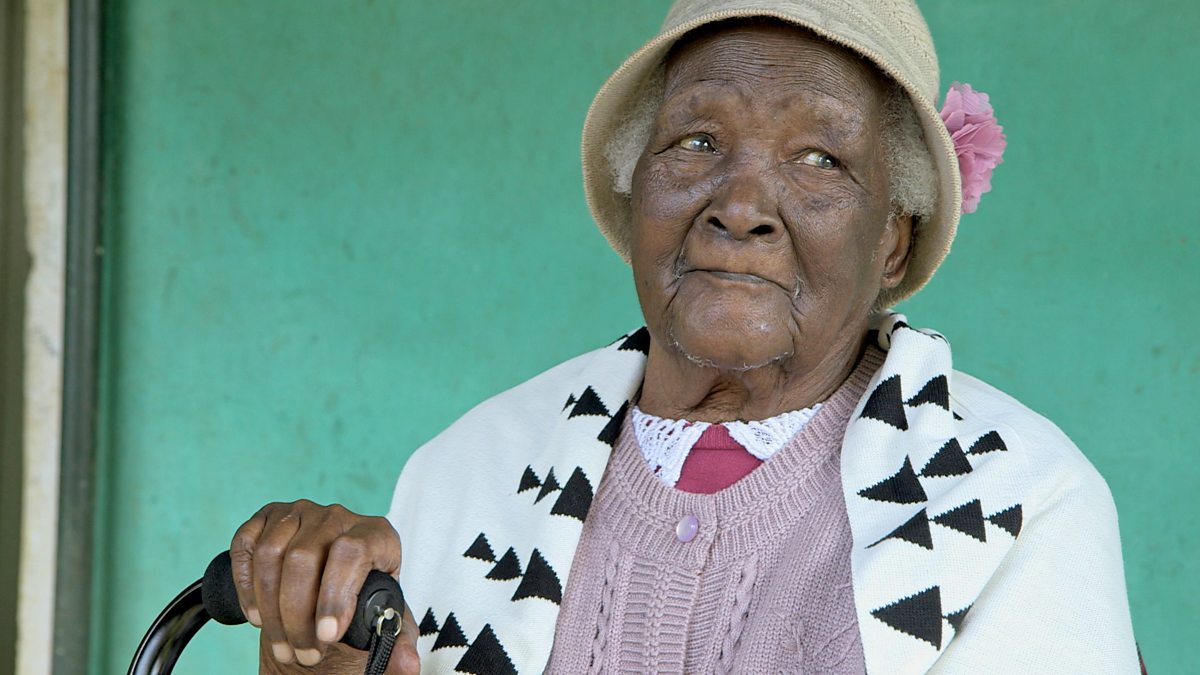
(762, 229)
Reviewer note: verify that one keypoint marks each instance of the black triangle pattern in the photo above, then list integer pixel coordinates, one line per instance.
(886, 404)
(989, 442)
(956, 619)
(638, 341)
(570, 401)
(486, 656)
(957, 416)
(936, 390)
(918, 615)
(548, 486)
(480, 549)
(451, 634)
(540, 581)
(612, 430)
(915, 531)
(529, 480)
(589, 403)
(900, 488)
(429, 624)
(967, 519)
(575, 498)
(1010, 519)
(950, 460)
(507, 568)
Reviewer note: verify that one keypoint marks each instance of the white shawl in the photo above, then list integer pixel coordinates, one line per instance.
(984, 542)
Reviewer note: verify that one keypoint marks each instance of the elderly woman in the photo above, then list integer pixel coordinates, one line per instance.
(775, 474)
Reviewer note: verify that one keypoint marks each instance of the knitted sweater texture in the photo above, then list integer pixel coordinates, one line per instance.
(765, 585)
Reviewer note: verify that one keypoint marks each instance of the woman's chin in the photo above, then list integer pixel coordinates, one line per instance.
(732, 345)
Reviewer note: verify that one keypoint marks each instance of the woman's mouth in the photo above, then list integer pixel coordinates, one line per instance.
(737, 276)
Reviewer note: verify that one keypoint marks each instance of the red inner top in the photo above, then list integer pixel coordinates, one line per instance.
(715, 462)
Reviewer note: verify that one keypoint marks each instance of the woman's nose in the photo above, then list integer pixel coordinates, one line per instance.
(743, 209)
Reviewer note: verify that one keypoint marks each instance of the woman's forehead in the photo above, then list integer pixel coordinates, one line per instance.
(840, 118)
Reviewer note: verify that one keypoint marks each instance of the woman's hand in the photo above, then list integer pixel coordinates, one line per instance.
(298, 568)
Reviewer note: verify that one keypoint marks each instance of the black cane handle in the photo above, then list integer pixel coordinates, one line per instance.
(379, 593)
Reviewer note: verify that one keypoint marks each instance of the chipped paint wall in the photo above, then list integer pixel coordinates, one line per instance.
(331, 228)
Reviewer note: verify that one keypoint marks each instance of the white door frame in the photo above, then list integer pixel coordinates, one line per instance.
(45, 130)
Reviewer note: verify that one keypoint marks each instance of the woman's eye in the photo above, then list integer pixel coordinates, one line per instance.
(698, 143)
(821, 160)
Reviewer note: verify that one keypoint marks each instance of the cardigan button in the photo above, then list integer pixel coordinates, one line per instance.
(686, 528)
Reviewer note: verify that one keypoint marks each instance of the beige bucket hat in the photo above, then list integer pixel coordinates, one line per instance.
(891, 33)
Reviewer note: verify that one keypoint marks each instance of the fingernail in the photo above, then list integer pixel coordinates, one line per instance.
(283, 652)
(254, 617)
(308, 657)
(327, 629)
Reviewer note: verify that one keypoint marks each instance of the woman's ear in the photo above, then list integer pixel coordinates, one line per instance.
(896, 247)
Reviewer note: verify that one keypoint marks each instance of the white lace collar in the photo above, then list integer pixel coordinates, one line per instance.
(665, 443)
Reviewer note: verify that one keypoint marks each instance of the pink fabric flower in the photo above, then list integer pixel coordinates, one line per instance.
(978, 140)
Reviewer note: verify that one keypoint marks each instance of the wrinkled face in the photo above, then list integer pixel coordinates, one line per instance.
(762, 229)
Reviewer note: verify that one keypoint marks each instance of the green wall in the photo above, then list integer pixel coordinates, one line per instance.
(332, 227)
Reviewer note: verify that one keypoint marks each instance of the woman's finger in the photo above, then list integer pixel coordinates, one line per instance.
(241, 557)
(405, 660)
(370, 544)
(269, 550)
(303, 564)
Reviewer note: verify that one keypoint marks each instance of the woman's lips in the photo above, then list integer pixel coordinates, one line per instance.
(741, 277)
(737, 276)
